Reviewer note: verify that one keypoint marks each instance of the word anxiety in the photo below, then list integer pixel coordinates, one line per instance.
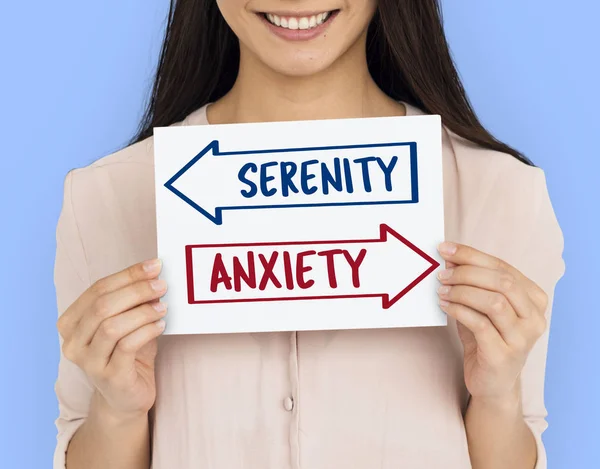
(258, 270)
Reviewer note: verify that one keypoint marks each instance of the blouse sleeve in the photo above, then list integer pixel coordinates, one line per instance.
(543, 263)
(73, 390)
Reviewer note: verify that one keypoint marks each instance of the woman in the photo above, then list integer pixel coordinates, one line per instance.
(466, 395)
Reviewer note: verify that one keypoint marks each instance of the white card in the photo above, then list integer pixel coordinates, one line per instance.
(309, 225)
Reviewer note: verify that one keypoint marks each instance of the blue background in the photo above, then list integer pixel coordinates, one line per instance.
(75, 75)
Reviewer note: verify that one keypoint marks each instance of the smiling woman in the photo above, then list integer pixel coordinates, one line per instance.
(469, 395)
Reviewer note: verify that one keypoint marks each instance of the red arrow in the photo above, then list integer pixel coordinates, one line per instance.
(208, 251)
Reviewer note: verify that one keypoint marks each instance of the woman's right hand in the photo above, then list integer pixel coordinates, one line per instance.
(110, 332)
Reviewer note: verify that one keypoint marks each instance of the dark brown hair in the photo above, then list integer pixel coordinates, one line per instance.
(407, 53)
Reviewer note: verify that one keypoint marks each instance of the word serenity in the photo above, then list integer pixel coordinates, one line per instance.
(314, 176)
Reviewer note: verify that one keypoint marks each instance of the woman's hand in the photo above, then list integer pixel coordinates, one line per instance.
(500, 316)
(110, 332)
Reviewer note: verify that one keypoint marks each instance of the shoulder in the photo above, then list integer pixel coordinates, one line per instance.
(120, 175)
(107, 220)
(491, 167)
(504, 204)
(498, 176)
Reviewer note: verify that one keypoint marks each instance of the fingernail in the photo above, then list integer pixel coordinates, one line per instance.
(444, 304)
(160, 324)
(447, 248)
(158, 285)
(445, 274)
(443, 290)
(151, 265)
(160, 307)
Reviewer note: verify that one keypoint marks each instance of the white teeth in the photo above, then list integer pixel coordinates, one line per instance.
(305, 22)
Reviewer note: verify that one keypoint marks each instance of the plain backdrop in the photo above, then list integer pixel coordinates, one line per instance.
(74, 78)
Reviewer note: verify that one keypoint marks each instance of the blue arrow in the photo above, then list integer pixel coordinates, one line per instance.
(213, 148)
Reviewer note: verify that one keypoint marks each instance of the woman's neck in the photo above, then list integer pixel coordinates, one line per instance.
(344, 90)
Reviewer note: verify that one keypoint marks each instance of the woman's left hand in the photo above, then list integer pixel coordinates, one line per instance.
(500, 315)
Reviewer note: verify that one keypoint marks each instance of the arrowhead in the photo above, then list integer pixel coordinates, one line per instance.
(388, 235)
(194, 182)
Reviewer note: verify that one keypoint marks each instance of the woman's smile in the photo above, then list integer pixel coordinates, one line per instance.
(298, 26)
(298, 38)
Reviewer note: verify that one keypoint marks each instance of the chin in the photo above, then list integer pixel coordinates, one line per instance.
(297, 64)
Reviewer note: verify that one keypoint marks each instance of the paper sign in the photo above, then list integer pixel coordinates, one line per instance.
(309, 225)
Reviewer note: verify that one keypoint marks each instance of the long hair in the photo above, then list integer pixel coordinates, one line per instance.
(407, 55)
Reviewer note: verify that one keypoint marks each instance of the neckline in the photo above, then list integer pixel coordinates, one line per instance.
(199, 117)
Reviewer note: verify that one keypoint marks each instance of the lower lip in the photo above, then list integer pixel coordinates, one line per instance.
(299, 34)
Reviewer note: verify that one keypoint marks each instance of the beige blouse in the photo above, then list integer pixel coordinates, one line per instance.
(357, 399)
